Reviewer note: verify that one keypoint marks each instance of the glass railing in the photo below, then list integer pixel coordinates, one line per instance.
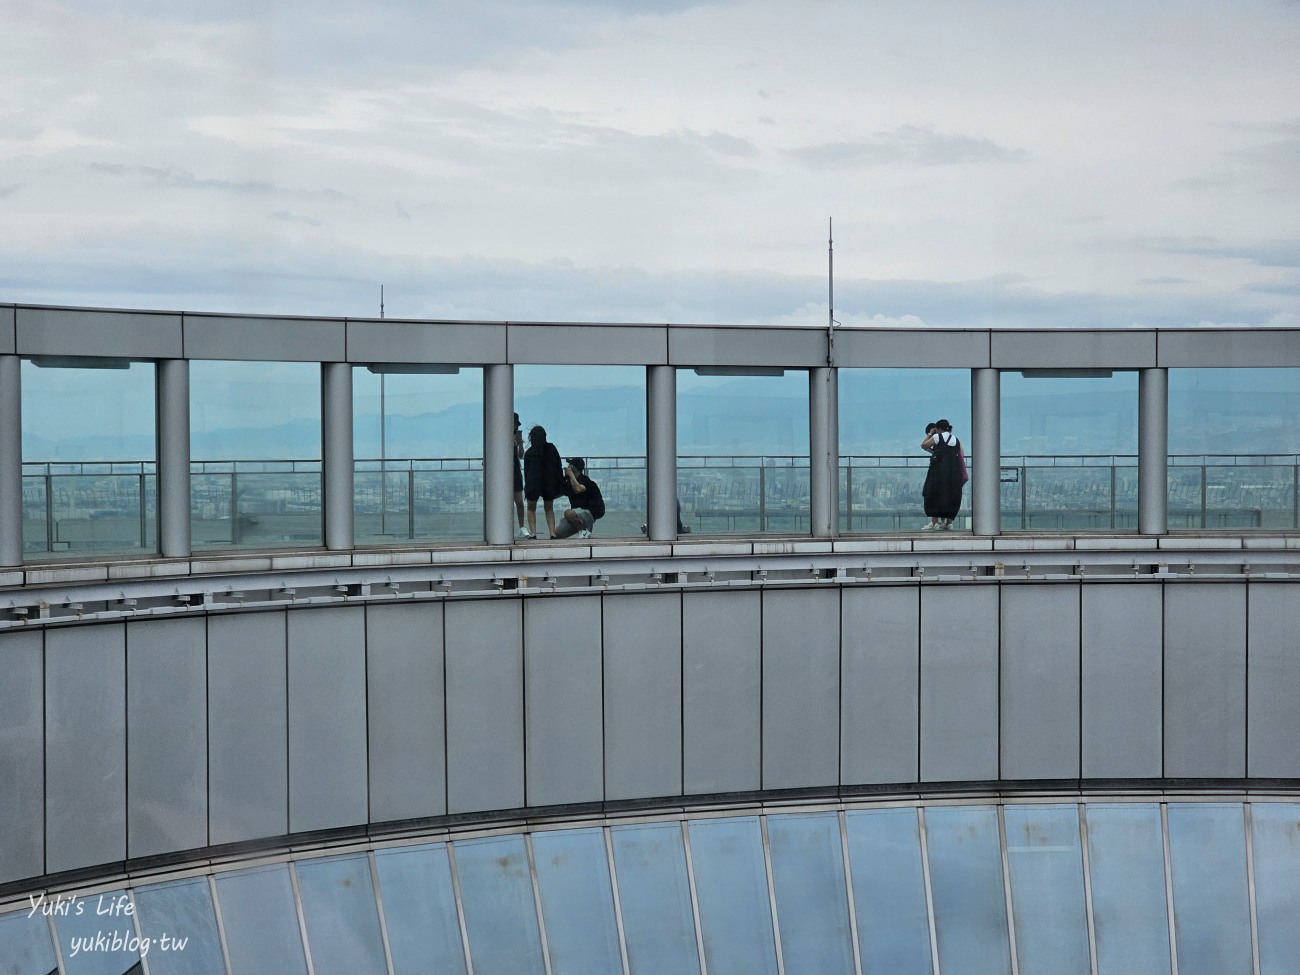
(110, 508)
(744, 494)
(90, 508)
(396, 501)
(256, 503)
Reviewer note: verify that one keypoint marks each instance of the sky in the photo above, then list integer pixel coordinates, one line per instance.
(986, 162)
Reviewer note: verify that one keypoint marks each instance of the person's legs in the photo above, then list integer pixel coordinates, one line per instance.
(532, 517)
(549, 504)
(568, 524)
(519, 507)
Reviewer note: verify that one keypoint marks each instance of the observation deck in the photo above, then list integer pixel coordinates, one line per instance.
(280, 672)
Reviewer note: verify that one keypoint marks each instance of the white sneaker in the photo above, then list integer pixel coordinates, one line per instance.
(946, 526)
(523, 532)
(584, 533)
(929, 526)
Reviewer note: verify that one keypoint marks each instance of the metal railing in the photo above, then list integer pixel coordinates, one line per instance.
(110, 507)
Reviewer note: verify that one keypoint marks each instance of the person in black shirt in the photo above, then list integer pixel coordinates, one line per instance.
(542, 478)
(586, 504)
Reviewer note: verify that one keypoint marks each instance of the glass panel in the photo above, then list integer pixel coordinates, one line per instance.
(418, 447)
(420, 911)
(342, 918)
(260, 921)
(970, 910)
(1069, 452)
(883, 415)
(25, 947)
(1207, 853)
(1045, 857)
(181, 925)
(596, 413)
(577, 901)
(811, 899)
(89, 473)
(255, 448)
(731, 887)
(97, 936)
(889, 891)
(1126, 861)
(655, 897)
(496, 891)
(1234, 448)
(742, 462)
(1277, 884)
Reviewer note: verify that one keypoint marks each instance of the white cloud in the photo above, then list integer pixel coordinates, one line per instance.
(656, 160)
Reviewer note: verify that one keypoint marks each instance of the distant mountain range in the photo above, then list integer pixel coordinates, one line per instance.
(744, 416)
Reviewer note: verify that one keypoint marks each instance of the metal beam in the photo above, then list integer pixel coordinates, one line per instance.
(498, 453)
(824, 451)
(1153, 451)
(336, 437)
(986, 451)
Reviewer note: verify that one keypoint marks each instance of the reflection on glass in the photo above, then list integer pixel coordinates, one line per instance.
(89, 471)
(655, 897)
(596, 413)
(811, 899)
(731, 886)
(882, 420)
(25, 944)
(418, 449)
(1126, 861)
(1207, 852)
(255, 449)
(1069, 452)
(1045, 858)
(261, 924)
(970, 910)
(496, 891)
(181, 925)
(742, 452)
(889, 891)
(1234, 448)
(1277, 876)
(102, 939)
(342, 919)
(420, 910)
(573, 881)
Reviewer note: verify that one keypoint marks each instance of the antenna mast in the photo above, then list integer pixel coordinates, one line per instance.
(830, 295)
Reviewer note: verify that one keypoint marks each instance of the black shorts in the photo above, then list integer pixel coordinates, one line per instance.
(532, 494)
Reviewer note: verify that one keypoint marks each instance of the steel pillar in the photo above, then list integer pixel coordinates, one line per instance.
(661, 452)
(824, 451)
(1153, 451)
(985, 451)
(499, 454)
(172, 382)
(336, 439)
(11, 461)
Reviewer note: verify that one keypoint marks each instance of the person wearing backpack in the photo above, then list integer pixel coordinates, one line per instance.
(586, 505)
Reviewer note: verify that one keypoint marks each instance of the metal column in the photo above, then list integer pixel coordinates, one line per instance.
(499, 454)
(336, 421)
(986, 451)
(824, 451)
(661, 452)
(11, 461)
(173, 406)
(1153, 451)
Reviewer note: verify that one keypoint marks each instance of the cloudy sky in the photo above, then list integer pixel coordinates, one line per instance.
(1115, 162)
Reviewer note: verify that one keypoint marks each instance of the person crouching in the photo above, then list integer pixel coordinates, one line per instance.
(586, 505)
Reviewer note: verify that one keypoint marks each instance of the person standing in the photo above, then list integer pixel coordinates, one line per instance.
(586, 505)
(542, 478)
(519, 478)
(943, 481)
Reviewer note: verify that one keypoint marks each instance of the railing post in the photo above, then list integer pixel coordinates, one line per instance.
(986, 450)
(1153, 452)
(410, 500)
(172, 381)
(661, 453)
(824, 451)
(236, 535)
(336, 452)
(848, 494)
(498, 453)
(11, 461)
(762, 494)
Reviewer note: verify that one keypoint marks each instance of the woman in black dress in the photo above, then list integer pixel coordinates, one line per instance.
(543, 478)
(943, 481)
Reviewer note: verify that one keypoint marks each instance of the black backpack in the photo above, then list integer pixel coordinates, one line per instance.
(593, 501)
